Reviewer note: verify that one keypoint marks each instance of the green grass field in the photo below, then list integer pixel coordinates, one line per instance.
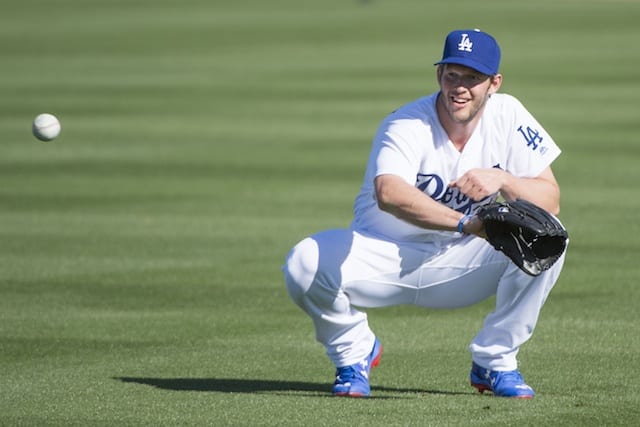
(140, 252)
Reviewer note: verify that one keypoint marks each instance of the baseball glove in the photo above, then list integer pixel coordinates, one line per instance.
(530, 236)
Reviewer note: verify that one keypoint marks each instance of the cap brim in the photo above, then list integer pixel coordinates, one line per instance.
(468, 63)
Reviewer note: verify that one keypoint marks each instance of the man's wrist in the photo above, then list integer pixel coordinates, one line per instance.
(461, 223)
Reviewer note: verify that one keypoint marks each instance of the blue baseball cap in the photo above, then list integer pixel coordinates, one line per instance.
(472, 48)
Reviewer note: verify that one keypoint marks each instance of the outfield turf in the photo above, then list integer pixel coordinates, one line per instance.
(140, 252)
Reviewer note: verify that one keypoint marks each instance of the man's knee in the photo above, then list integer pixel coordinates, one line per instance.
(300, 268)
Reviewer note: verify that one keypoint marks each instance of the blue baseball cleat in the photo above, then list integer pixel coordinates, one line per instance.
(501, 383)
(353, 380)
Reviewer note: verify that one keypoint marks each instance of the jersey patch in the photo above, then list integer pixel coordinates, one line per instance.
(531, 137)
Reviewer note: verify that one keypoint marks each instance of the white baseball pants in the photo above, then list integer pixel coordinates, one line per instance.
(331, 273)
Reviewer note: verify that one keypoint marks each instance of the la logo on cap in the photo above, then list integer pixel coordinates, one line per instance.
(465, 44)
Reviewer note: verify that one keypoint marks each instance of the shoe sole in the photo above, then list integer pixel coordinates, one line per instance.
(482, 388)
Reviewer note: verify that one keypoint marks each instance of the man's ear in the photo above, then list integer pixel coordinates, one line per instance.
(496, 82)
(439, 71)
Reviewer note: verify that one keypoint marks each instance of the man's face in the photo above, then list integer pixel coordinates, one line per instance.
(464, 91)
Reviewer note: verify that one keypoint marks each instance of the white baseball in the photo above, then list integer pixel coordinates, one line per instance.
(46, 127)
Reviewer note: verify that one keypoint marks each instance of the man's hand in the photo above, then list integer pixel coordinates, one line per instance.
(480, 183)
(474, 225)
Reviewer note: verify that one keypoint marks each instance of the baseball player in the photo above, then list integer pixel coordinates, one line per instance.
(414, 238)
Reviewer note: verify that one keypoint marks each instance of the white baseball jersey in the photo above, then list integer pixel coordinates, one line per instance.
(412, 144)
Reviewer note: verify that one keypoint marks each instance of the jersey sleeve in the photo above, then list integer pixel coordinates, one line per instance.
(395, 151)
(531, 148)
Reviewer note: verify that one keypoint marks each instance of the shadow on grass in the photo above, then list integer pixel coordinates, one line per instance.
(231, 385)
